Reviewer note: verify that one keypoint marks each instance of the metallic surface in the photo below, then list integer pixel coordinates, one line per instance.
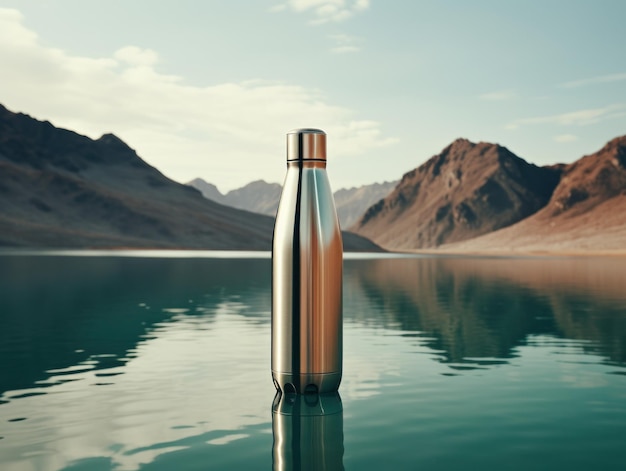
(307, 258)
(306, 144)
(308, 432)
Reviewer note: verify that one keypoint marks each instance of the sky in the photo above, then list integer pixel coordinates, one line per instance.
(210, 88)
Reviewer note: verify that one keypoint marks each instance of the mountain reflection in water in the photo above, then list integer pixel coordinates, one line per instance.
(57, 312)
(477, 310)
(154, 363)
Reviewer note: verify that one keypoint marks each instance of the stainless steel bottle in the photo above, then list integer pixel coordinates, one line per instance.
(307, 256)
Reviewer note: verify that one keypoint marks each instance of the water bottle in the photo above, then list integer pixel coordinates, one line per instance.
(307, 257)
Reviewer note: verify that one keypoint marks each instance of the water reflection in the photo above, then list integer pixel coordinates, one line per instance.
(308, 432)
(123, 363)
(476, 312)
(63, 315)
(60, 312)
(131, 359)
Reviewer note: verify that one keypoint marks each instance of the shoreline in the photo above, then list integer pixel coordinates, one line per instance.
(548, 253)
(492, 253)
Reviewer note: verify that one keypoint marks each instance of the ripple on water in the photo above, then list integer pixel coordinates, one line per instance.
(470, 382)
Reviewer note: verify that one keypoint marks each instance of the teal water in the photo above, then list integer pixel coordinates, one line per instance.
(153, 361)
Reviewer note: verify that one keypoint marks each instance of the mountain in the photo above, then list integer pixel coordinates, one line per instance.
(586, 212)
(257, 196)
(351, 203)
(262, 197)
(208, 190)
(590, 181)
(465, 191)
(61, 189)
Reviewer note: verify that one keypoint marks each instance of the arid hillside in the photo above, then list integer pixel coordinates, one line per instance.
(60, 189)
(586, 213)
(465, 191)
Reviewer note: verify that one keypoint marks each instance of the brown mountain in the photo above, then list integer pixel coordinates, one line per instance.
(587, 211)
(61, 189)
(590, 181)
(465, 191)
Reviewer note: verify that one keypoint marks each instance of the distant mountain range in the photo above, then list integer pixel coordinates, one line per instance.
(262, 197)
(61, 189)
(352, 202)
(483, 197)
(258, 196)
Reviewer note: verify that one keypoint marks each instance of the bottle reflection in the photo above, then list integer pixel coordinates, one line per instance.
(308, 432)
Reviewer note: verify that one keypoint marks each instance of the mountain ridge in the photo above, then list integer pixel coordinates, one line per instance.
(262, 197)
(466, 190)
(61, 189)
(586, 212)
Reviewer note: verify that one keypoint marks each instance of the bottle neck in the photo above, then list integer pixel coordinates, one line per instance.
(306, 164)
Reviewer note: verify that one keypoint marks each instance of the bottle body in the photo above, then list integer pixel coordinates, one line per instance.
(307, 258)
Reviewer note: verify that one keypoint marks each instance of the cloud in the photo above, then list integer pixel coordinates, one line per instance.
(595, 80)
(212, 131)
(574, 118)
(500, 95)
(136, 56)
(325, 11)
(344, 43)
(565, 138)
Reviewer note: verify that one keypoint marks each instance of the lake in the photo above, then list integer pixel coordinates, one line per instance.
(161, 361)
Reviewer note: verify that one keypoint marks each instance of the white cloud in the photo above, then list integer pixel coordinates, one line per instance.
(565, 138)
(500, 95)
(574, 118)
(345, 43)
(595, 80)
(325, 11)
(136, 56)
(224, 132)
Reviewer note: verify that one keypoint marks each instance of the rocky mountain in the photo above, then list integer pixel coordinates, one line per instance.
(208, 190)
(586, 212)
(61, 189)
(262, 197)
(351, 203)
(257, 196)
(590, 181)
(465, 191)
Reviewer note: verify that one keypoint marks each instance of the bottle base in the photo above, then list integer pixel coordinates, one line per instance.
(307, 383)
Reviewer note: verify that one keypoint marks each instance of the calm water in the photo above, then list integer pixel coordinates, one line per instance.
(162, 363)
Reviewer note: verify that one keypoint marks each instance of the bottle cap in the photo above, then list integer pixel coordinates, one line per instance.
(306, 144)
